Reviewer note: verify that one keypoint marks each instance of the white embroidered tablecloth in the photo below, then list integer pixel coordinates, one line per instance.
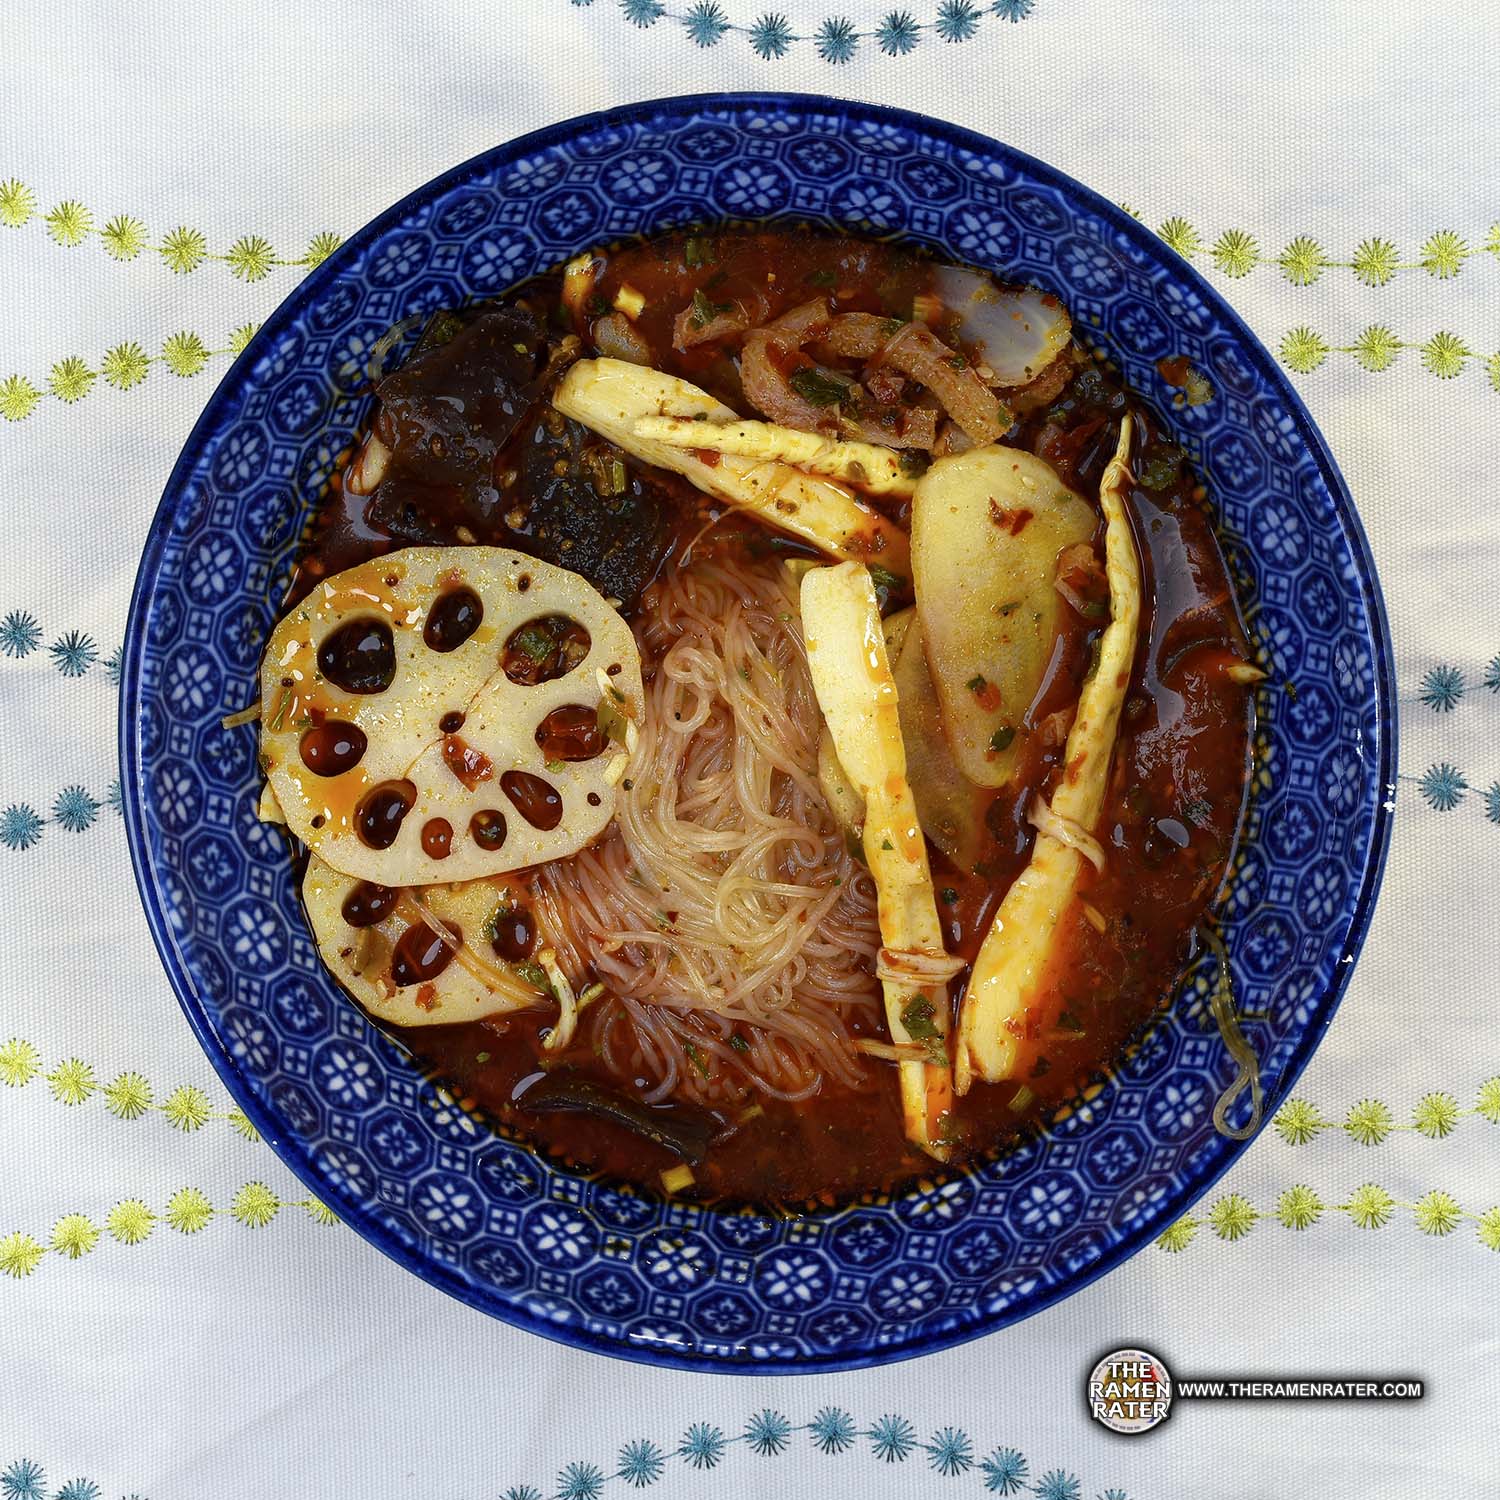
(176, 1318)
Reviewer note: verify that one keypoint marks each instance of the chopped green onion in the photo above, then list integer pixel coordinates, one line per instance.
(883, 578)
(819, 387)
(704, 311)
(610, 721)
(1001, 739)
(534, 642)
(917, 1016)
(698, 251)
(536, 976)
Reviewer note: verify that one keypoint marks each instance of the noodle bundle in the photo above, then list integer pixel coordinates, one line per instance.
(731, 928)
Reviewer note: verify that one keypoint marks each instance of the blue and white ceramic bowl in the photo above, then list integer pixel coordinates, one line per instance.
(583, 1260)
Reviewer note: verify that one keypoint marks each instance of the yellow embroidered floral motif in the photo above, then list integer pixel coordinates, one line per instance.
(1375, 260)
(187, 1108)
(251, 258)
(74, 1235)
(126, 365)
(20, 1062)
(1444, 355)
(17, 203)
(123, 367)
(70, 379)
(128, 1096)
(18, 398)
(184, 249)
(19, 1254)
(1370, 1206)
(1299, 1207)
(255, 1205)
(1436, 1213)
(184, 354)
(70, 223)
(188, 1210)
(124, 237)
(1371, 1121)
(132, 1221)
(1444, 254)
(71, 1082)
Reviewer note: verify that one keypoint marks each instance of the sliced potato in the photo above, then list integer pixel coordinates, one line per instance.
(987, 527)
(867, 466)
(612, 397)
(851, 676)
(361, 713)
(470, 984)
(1020, 943)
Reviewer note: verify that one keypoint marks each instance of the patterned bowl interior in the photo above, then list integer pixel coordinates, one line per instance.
(582, 1260)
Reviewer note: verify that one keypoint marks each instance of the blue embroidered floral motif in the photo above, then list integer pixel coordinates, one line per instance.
(950, 1452)
(832, 1429)
(706, 23)
(1442, 688)
(1492, 803)
(641, 1463)
(74, 653)
(957, 20)
(893, 1438)
(767, 1432)
(74, 809)
(837, 40)
(897, 34)
(1113, 1495)
(20, 634)
(1442, 786)
(1492, 674)
(79, 1489)
(702, 1446)
(1057, 1485)
(20, 827)
(115, 797)
(1004, 1472)
(530, 1491)
(23, 1480)
(580, 1482)
(771, 36)
(114, 664)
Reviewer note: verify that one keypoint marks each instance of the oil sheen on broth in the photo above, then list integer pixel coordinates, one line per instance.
(475, 454)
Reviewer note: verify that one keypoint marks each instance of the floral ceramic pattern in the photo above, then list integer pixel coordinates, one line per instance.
(584, 1260)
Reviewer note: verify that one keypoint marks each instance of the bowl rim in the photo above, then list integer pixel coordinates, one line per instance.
(221, 406)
